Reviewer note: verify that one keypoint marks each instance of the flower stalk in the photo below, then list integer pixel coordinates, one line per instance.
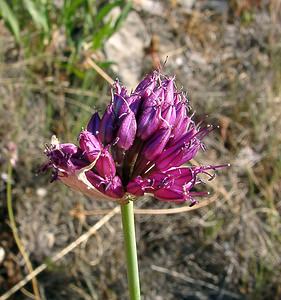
(127, 212)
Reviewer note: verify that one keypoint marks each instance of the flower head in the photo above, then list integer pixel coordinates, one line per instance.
(140, 145)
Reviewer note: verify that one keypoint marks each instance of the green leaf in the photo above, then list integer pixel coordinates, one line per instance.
(37, 14)
(70, 8)
(103, 33)
(9, 17)
(124, 13)
(105, 10)
(110, 27)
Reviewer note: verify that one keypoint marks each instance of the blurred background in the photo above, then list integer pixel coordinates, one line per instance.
(227, 55)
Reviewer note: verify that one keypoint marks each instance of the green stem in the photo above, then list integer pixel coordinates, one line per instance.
(127, 212)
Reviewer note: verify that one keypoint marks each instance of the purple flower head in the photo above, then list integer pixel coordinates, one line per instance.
(143, 144)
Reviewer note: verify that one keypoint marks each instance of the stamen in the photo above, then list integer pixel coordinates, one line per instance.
(150, 166)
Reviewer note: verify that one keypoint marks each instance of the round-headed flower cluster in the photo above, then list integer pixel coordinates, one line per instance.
(140, 145)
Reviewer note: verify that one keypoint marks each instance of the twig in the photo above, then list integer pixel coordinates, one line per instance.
(15, 231)
(62, 253)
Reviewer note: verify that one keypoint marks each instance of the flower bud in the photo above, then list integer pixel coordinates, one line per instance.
(113, 188)
(127, 131)
(120, 105)
(146, 86)
(64, 159)
(107, 126)
(89, 144)
(136, 186)
(68, 148)
(156, 144)
(180, 129)
(169, 115)
(173, 155)
(149, 122)
(180, 113)
(105, 164)
(169, 92)
(169, 195)
(154, 99)
(134, 101)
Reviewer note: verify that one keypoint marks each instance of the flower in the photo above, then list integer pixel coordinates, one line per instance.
(140, 145)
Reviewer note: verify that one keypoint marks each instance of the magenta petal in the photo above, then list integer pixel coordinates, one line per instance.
(149, 122)
(58, 159)
(136, 186)
(190, 152)
(105, 165)
(127, 131)
(169, 94)
(147, 84)
(175, 177)
(173, 155)
(114, 188)
(89, 144)
(107, 126)
(111, 187)
(168, 195)
(181, 176)
(169, 114)
(68, 148)
(134, 101)
(180, 98)
(120, 105)
(120, 90)
(66, 157)
(156, 144)
(95, 180)
(154, 99)
(180, 129)
(178, 157)
(180, 113)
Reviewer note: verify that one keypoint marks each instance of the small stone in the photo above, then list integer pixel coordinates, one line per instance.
(41, 192)
(2, 254)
